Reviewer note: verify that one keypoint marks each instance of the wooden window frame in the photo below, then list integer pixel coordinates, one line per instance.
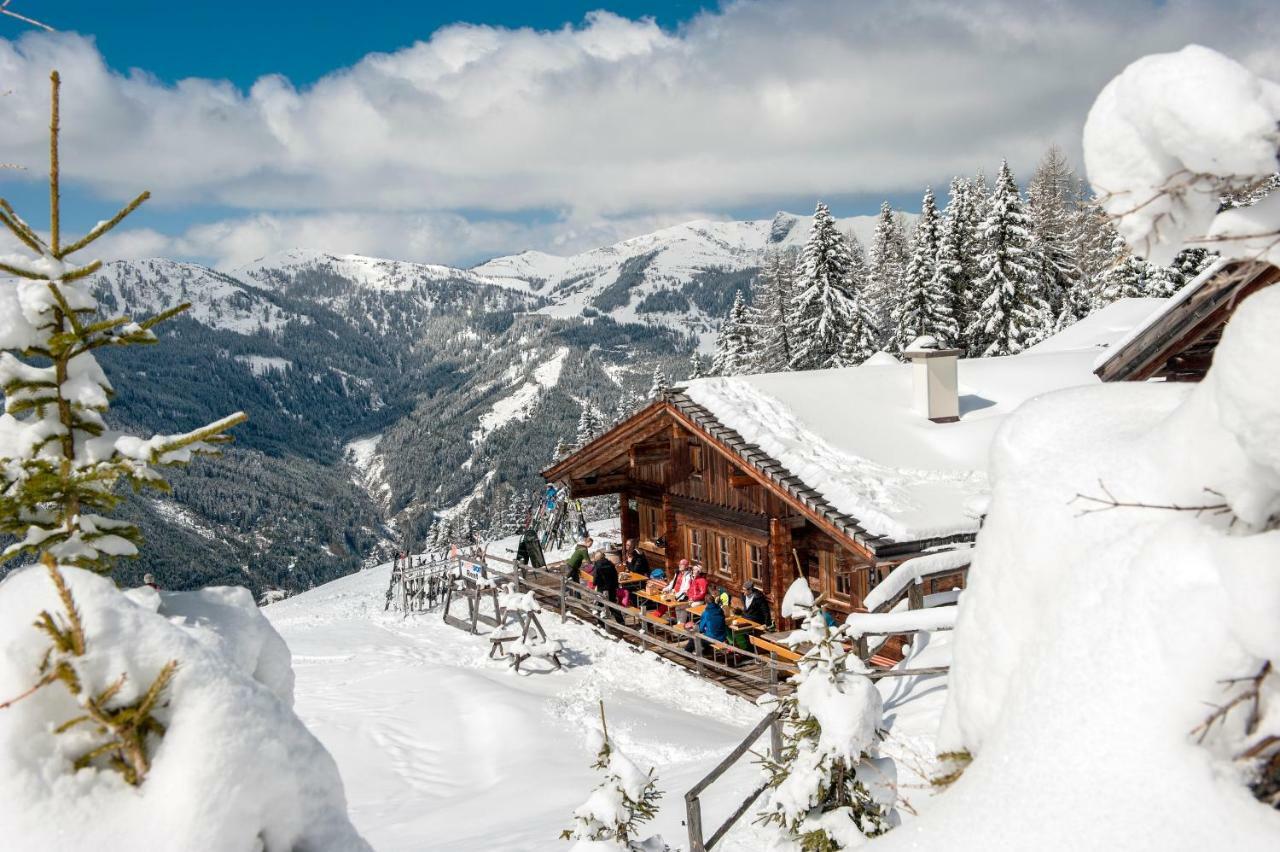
(697, 460)
(649, 513)
(725, 547)
(697, 544)
(756, 558)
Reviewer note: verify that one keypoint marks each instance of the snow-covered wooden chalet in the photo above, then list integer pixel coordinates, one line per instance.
(841, 474)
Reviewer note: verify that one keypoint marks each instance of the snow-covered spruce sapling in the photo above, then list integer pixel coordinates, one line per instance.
(827, 789)
(122, 731)
(60, 466)
(624, 798)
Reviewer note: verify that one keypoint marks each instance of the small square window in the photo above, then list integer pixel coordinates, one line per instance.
(755, 561)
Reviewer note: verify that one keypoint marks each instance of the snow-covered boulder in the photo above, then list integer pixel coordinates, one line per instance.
(236, 770)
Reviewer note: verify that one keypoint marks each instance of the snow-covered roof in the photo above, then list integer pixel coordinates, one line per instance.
(1165, 342)
(1167, 306)
(854, 436)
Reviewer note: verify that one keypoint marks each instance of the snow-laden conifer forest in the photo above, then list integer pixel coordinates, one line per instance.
(454, 449)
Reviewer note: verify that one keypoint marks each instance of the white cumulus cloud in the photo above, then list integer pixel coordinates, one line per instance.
(603, 126)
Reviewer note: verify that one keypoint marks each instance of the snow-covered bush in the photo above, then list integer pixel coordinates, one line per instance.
(828, 789)
(236, 770)
(1172, 135)
(624, 798)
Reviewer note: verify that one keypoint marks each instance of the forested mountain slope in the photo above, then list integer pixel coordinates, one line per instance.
(383, 393)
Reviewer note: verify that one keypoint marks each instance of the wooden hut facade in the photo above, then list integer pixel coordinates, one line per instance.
(689, 487)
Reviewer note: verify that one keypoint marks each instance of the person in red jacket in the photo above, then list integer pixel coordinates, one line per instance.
(698, 588)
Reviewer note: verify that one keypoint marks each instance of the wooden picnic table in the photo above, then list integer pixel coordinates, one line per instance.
(627, 578)
(738, 623)
(664, 600)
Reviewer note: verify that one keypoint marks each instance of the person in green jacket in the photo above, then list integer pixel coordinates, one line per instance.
(573, 568)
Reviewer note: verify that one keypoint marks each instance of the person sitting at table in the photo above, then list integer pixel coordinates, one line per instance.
(606, 581)
(636, 561)
(681, 580)
(754, 606)
(696, 594)
(711, 625)
(699, 587)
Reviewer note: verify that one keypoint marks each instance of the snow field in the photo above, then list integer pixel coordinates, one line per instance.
(443, 748)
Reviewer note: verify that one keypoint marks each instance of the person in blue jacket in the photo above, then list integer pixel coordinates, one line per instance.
(711, 624)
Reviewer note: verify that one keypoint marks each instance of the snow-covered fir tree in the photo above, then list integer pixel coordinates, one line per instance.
(773, 301)
(695, 365)
(735, 352)
(825, 311)
(958, 251)
(1190, 262)
(562, 451)
(625, 798)
(1050, 194)
(863, 338)
(886, 259)
(1134, 277)
(1013, 314)
(828, 789)
(628, 403)
(448, 534)
(659, 385)
(590, 425)
(923, 305)
(61, 475)
(1093, 241)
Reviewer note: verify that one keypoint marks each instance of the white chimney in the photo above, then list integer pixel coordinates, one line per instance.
(936, 386)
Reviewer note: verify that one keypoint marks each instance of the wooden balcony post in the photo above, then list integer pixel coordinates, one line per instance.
(781, 568)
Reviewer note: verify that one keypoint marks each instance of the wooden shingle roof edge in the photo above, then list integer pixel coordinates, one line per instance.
(1193, 313)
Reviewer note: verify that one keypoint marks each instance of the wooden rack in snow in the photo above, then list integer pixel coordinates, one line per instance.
(418, 583)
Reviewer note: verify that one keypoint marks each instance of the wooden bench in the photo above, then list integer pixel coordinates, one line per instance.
(780, 651)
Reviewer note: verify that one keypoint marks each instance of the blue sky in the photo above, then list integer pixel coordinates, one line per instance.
(242, 40)
(452, 132)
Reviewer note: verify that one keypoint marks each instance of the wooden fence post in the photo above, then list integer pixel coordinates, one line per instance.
(693, 810)
(563, 581)
(915, 596)
(697, 649)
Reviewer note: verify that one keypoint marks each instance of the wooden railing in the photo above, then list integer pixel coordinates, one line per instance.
(698, 842)
(913, 591)
(585, 603)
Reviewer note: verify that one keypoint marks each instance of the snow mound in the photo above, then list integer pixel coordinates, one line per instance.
(236, 770)
(1167, 135)
(1091, 645)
